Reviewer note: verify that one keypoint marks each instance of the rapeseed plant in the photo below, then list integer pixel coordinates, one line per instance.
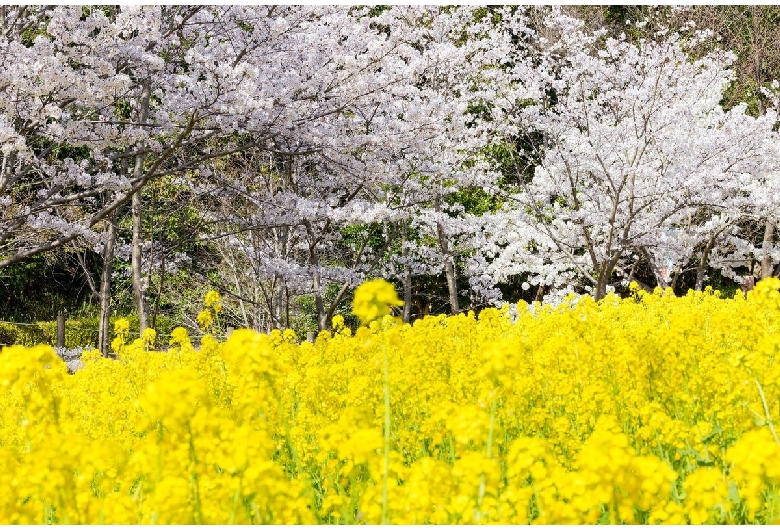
(650, 409)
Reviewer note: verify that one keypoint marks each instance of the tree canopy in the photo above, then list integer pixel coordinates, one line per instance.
(283, 155)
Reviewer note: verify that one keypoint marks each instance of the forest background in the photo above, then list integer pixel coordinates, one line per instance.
(283, 155)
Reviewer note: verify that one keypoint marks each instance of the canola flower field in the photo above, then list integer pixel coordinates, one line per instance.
(650, 409)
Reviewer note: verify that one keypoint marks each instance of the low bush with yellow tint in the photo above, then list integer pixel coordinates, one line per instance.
(651, 409)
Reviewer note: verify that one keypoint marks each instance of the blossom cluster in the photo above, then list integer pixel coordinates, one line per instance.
(649, 409)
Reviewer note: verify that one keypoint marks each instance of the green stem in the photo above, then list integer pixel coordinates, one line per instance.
(194, 476)
(766, 411)
(489, 455)
(292, 452)
(386, 385)
(236, 498)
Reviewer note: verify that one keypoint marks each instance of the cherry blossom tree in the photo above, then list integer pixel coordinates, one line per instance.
(325, 145)
(328, 206)
(635, 145)
(98, 103)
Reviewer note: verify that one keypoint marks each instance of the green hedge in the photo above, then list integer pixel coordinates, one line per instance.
(78, 332)
(17, 334)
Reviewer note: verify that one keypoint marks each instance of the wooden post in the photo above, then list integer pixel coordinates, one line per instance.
(60, 330)
(229, 332)
(310, 336)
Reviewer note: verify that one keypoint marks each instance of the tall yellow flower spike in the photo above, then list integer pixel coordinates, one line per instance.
(214, 301)
(205, 319)
(373, 300)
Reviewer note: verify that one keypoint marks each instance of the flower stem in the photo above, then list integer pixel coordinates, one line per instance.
(386, 385)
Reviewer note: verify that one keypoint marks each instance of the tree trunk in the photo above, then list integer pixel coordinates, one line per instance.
(701, 269)
(449, 270)
(138, 290)
(605, 273)
(287, 304)
(766, 260)
(601, 287)
(105, 285)
(654, 266)
(539, 294)
(449, 263)
(407, 294)
(407, 315)
(317, 284)
(159, 292)
(314, 261)
(317, 287)
(61, 329)
(279, 283)
(334, 304)
(277, 301)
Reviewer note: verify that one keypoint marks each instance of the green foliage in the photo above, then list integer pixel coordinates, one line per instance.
(475, 200)
(368, 234)
(516, 159)
(377, 10)
(31, 32)
(727, 287)
(617, 16)
(42, 286)
(303, 313)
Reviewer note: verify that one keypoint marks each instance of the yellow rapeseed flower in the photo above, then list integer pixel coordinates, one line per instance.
(205, 319)
(121, 326)
(373, 300)
(213, 300)
(651, 409)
